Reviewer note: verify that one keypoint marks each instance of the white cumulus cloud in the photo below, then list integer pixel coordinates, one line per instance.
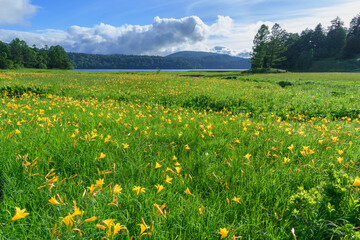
(163, 36)
(15, 12)
(223, 26)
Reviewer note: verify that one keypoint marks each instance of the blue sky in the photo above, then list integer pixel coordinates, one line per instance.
(160, 27)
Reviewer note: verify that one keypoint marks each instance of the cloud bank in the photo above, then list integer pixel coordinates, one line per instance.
(168, 35)
(163, 36)
(15, 12)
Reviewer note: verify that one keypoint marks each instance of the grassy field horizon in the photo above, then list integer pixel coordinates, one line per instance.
(227, 155)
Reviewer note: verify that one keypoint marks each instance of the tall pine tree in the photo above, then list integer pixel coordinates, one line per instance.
(319, 42)
(276, 46)
(336, 37)
(259, 49)
(352, 46)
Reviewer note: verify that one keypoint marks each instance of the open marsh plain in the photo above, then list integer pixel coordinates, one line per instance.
(130, 155)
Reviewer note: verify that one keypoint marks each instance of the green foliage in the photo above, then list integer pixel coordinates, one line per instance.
(18, 54)
(327, 210)
(269, 48)
(284, 84)
(244, 145)
(319, 42)
(58, 58)
(4, 55)
(302, 51)
(305, 60)
(352, 46)
(259, 49)
(336, 65)
(17, 91)
(276, 47)
(267, 70)
(17, 49)
(336, 38)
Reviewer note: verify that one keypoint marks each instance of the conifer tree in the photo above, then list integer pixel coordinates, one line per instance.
(276, 46)
(352, 46)
(259, 49)
(336, 37)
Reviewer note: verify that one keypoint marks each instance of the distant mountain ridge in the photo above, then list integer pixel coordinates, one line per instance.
(194, 54)
(179, 60)
(197, 54)
(244, 54)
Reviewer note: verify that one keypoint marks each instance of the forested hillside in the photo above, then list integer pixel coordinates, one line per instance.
(197, 60)
(335, 45)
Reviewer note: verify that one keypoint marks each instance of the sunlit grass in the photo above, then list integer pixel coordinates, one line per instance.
(86, 154)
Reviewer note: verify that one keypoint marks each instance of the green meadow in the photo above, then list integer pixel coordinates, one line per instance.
(136, 155)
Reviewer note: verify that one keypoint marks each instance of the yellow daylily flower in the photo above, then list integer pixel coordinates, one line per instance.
(99, 183)
(286, 160)
(99, 226)
(118, 227)
(138, 189)
(114, 202)
(187, 191)
(77, 211)
(109, 223)
(223, 232)
(54, 201)
(160, 210)
(157, 165)
(159, 188)
(247, 156)
(102, 155)
(20, 213)
(117, 189)
(92, 188)
(143, 226)
(107, 139)
(90, 219)
(168, 179)
(201, 209)
(356, 182)
(291, 147)
(68, 220)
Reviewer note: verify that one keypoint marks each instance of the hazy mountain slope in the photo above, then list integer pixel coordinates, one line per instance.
(181, 60)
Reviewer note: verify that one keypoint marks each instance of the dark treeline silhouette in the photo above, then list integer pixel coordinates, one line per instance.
(195, 61)
(276, 48)
(17, 54)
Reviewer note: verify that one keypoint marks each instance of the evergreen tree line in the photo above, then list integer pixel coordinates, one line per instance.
(208, 61)
(17, 54)
(275, 48)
